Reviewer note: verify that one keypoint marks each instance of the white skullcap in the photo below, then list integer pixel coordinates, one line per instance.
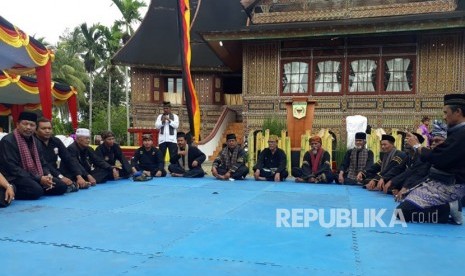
(83, 132)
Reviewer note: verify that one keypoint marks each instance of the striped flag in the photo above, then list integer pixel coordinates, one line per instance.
(248, 6)
(192, 103)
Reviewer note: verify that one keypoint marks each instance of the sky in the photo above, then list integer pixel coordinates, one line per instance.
(50, 18)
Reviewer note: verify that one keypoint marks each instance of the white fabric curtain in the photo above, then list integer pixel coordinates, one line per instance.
(296, 74)
(363, 69)
(327, 80)
(398, 69)
(354, 124)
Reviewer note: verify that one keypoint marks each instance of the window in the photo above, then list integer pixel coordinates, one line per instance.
(398, 75)
(348, 66)
(295, 77)
(174, 85)
(362, 76)
(328, 76)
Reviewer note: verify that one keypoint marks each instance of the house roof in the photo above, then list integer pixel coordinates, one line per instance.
(376, 25)
(156, 42)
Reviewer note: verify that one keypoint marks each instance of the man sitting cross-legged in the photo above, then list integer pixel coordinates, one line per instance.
(188, 160)
(230, 164)
(23, 164)
(271, 163)
(148, 159)
(316, 166)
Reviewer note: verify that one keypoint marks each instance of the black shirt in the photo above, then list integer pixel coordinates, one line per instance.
(149, 160)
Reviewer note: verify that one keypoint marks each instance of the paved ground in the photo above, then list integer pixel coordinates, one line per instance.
(203, 226)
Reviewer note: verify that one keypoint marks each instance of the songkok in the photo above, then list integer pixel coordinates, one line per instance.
(439, 129)
(166, 104)
(28, 116)
(388, 138)
(181, 135)
(231, 136)
(420, 138)
(82, 132)
(360, 136)
(273, 138)
(316, 139)
(106, 134)
(146, 137)
(454, 99)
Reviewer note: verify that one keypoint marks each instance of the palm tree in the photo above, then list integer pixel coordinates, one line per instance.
(94, 50)
(131, 15)
(68, 68)
(130, 11)
(111, 42)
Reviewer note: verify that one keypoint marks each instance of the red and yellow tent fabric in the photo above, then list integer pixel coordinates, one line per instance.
(18, 93)
(22, 54)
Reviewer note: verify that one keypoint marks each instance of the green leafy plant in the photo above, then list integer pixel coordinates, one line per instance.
(339, 152)
(275, 124)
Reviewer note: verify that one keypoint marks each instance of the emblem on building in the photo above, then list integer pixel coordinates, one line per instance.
(299, 109)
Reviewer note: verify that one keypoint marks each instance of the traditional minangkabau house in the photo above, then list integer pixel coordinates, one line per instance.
(389, 60)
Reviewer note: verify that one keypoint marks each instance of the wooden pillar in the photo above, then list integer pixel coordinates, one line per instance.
(300, 112)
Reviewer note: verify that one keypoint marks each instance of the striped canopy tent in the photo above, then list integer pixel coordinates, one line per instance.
(21, 54)
(18, 93)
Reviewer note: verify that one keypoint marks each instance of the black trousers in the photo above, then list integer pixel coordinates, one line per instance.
(306, 173)
(239, 174)
(270, 176)
(29, 189)
(192, 173)
(173, 148)
(435, 214)
(151, 170)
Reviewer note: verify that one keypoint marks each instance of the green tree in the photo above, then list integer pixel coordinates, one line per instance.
(130, 11)
(118, 123)
(94, 50)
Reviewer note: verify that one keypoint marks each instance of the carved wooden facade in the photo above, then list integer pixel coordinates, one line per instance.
(425, 36)
(148, 93)
(439, 70)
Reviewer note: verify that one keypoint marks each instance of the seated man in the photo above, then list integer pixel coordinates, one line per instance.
(23, 165)
(271, 163)
(355, 160)
(316, 167)
(230, 163)
(7, 192)
(438, 134)
(188, 160)
(415, 171)
(52, 148)
(438, 197)
(386, 168)
(92, 168)
(148, 159)
(111, 152)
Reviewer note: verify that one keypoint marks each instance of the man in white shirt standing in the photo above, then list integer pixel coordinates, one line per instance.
(167, 124)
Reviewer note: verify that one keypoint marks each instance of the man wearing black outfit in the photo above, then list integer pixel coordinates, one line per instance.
(439, 195)
(384, 169)
(355, 161)
(148, 159)
(415, 170)
(271, 163)
(92, 168)
(111, 152)
(52, 148)
(188, 160)
(230, 163)
(23, 165)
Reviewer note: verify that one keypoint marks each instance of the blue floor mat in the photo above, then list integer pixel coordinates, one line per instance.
(175, 226)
